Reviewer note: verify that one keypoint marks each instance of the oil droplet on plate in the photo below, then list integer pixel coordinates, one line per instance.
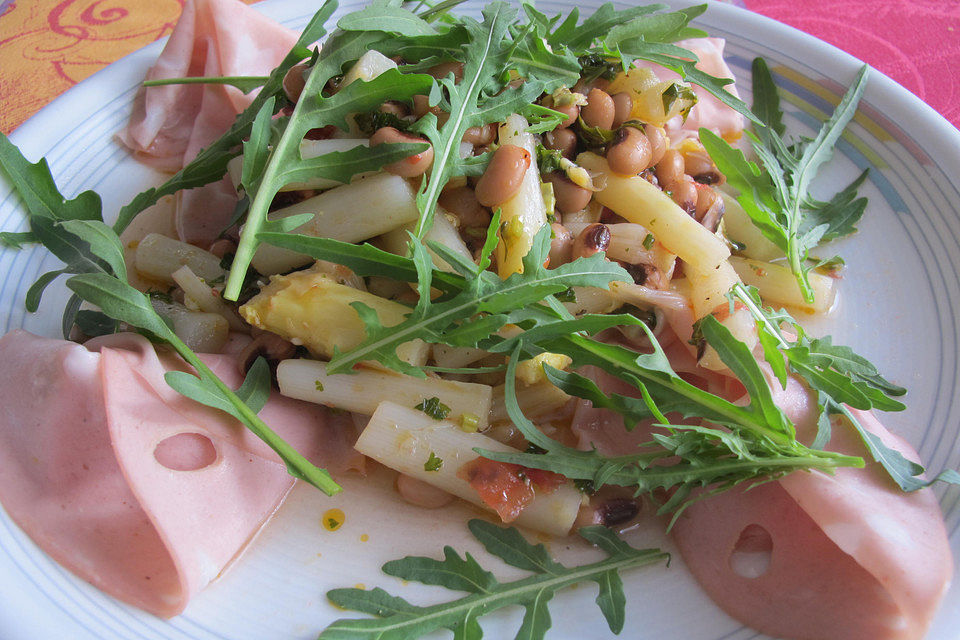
(332, 519)
(364, 537)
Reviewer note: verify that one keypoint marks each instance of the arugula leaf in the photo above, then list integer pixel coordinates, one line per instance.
(486, 53)
(778, 199)
(664, 27)
(94, 323)
(596, 25)
(683, 457)
(396, 618)
(40, 195)
(841, 377)
(380, 16)
(72, 229)
(246, 84)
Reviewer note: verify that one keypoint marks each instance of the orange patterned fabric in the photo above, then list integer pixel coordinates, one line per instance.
(47, 46)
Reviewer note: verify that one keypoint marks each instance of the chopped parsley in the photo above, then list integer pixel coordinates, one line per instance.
(433, 463)
(568, 295)
(434, 408)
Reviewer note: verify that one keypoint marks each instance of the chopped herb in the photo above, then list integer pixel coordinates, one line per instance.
(434, 408)
(585, 486)
(648, 241)
(318, 385)
(433, 463)
(593, 137)
(594, 66)
(548, 160)
(162, 296)
(675, 93)
(370, 121)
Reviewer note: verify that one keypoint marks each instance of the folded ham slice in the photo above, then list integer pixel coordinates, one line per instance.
(141, 492)
(812, 556)
(849, 555)
(171, 124)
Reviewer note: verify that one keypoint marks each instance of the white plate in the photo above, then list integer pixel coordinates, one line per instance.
(897, 307)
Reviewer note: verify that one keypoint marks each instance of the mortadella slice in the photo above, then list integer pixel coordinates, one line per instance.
(850, 555)
(140, 491)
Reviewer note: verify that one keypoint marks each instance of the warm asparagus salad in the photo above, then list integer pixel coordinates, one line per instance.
(538, 263)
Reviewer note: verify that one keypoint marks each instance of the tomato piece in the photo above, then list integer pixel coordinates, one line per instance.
(505, 487)
(502, 486)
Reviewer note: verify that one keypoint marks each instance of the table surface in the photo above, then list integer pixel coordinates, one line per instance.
(47, 46)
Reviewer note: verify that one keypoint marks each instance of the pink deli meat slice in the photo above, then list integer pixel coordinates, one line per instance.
(170, 124)
(146, 497)
(205, 496)
(850, 555)
(709, 112)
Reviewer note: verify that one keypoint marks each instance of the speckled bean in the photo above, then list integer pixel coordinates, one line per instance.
(630, 152)
(706, 197)
(670, 169)
(593, 238)
(569, 110)
(480, 136)
(462, 202)
(294, 81)
(562, 140)
(421, 106)
(599, 111)
(561, 245)
(622, 107)
(658, 142)
(503, 176)
(570, 197)
(684, 193)
(444, 69)
(396, 108)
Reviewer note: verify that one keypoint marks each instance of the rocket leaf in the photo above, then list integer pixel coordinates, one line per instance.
(398, 619)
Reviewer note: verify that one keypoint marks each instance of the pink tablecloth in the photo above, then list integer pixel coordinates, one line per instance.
(915, 42)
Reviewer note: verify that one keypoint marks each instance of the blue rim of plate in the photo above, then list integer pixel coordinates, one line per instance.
(921, 184)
